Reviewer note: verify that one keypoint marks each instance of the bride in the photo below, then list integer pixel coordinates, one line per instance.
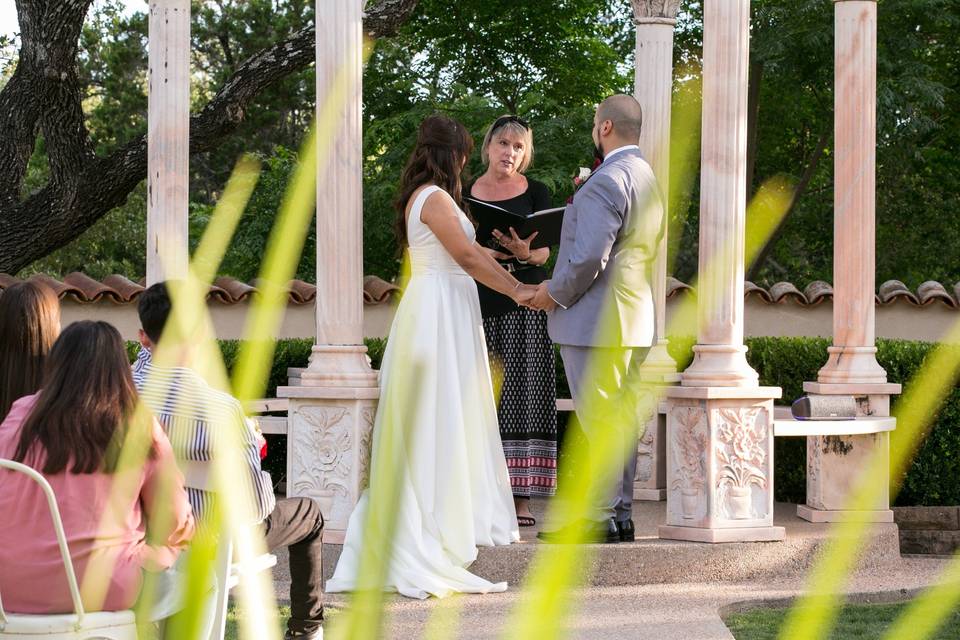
(454, 491)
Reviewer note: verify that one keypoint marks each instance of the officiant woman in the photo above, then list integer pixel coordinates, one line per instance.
(521, 354)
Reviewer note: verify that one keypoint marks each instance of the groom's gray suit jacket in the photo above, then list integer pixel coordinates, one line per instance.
(607, 246)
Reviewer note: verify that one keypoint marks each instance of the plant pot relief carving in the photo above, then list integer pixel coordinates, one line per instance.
(741, 457)
(689, 454)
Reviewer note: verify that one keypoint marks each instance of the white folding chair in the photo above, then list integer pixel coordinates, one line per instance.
(198, 475)
(80, 625)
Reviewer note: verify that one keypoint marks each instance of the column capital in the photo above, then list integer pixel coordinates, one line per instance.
(669, 22)
(644, 9)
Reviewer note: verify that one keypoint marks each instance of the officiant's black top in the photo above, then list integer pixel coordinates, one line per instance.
(535, 198)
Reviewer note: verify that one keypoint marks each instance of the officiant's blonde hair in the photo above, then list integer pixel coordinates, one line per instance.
(510, 124)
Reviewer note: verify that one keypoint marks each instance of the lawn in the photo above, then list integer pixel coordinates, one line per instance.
(233, 615)
(856, 621)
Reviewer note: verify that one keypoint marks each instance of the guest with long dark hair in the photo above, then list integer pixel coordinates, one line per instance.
(120, 495)
(29, 324)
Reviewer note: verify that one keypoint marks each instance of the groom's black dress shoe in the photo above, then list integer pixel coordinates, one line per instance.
(583, 532)
(626, 530)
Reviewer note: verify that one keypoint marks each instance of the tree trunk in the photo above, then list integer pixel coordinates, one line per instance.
(753, 113)
(43, 97)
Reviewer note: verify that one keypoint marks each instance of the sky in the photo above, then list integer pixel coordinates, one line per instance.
(8, 14)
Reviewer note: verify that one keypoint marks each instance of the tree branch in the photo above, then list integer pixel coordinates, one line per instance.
(83, 187)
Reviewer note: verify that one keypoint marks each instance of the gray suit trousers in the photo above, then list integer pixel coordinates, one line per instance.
(608, 374)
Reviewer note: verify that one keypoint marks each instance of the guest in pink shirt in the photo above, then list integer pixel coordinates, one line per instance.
(119, 491)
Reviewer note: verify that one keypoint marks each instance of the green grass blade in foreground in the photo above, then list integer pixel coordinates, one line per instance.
(931, 609)
(388, 467)
(815, 612)
(285, 246)
(188, 341)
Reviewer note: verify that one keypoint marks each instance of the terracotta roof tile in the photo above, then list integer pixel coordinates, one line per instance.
(225, 290)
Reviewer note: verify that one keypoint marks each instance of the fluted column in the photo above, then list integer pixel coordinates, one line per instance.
(168, 139)
(333, 402)
(719, 356)
(853, 354)
(653, 89)
(339, 355)
(719, 432)
(852, 368)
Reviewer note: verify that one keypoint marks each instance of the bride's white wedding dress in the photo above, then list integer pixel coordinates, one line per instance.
(455, 492)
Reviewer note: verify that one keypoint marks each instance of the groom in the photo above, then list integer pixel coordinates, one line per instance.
(601, 311)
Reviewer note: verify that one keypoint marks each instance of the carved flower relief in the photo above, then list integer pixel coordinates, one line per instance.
(741, 454)
(367, 414)
(645, 454)
(321, 451)
(690, 442)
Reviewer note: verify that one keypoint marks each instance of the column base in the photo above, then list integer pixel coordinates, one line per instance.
(696, 534)
(658, 367)
(334, 365)
(719, 365)
(847, 365)
(811, 514)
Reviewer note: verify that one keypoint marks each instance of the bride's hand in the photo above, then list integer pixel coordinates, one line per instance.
(524, 294)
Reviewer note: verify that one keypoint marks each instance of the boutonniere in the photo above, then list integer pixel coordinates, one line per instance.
(582, 176)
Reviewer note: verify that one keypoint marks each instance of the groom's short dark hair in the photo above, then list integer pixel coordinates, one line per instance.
(624, 112)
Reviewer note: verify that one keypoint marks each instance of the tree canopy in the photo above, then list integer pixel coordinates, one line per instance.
(550, 63)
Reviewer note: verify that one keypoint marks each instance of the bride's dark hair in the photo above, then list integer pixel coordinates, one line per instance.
(442, 146)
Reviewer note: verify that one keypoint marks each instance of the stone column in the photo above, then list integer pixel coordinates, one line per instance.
(333, 400)
(853, 354)
(719, 421)
(168, 139)
(653, 89)
(852, 369)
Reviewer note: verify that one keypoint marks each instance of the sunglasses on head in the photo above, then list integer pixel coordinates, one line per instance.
(503, 120)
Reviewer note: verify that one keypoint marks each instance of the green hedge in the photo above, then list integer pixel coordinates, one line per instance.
(933, 478)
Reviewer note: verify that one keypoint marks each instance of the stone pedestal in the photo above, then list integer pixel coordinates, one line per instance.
(328, 449)
(834, 463)
(720, 465)
(650, 481)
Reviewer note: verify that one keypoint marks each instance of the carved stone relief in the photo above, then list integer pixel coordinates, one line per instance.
(689, 457)
(741, 453)
(645, 453)
(322, 444)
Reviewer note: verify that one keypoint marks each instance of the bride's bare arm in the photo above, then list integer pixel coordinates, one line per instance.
(439, 214)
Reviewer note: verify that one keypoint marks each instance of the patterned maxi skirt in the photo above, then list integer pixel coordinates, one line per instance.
(522, 363)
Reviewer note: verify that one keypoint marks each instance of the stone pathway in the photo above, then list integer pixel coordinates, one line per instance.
(683, 609)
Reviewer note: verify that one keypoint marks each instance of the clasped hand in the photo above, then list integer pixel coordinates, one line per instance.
(535, 297)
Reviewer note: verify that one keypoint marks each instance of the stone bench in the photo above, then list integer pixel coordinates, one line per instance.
(829, 443)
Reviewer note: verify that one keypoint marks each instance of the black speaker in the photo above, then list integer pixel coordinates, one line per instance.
(816, 407)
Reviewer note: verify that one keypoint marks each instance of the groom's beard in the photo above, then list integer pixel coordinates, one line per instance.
(597, 152)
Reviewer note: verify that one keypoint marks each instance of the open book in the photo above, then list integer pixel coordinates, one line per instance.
(490, 216)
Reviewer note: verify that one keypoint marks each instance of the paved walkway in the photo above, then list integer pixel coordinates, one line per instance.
(682, 611)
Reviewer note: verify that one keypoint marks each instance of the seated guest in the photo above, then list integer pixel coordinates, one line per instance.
(184, 403)
(29, 324)
(118, 489)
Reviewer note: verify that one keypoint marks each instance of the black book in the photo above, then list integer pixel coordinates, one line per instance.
(490, 216)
